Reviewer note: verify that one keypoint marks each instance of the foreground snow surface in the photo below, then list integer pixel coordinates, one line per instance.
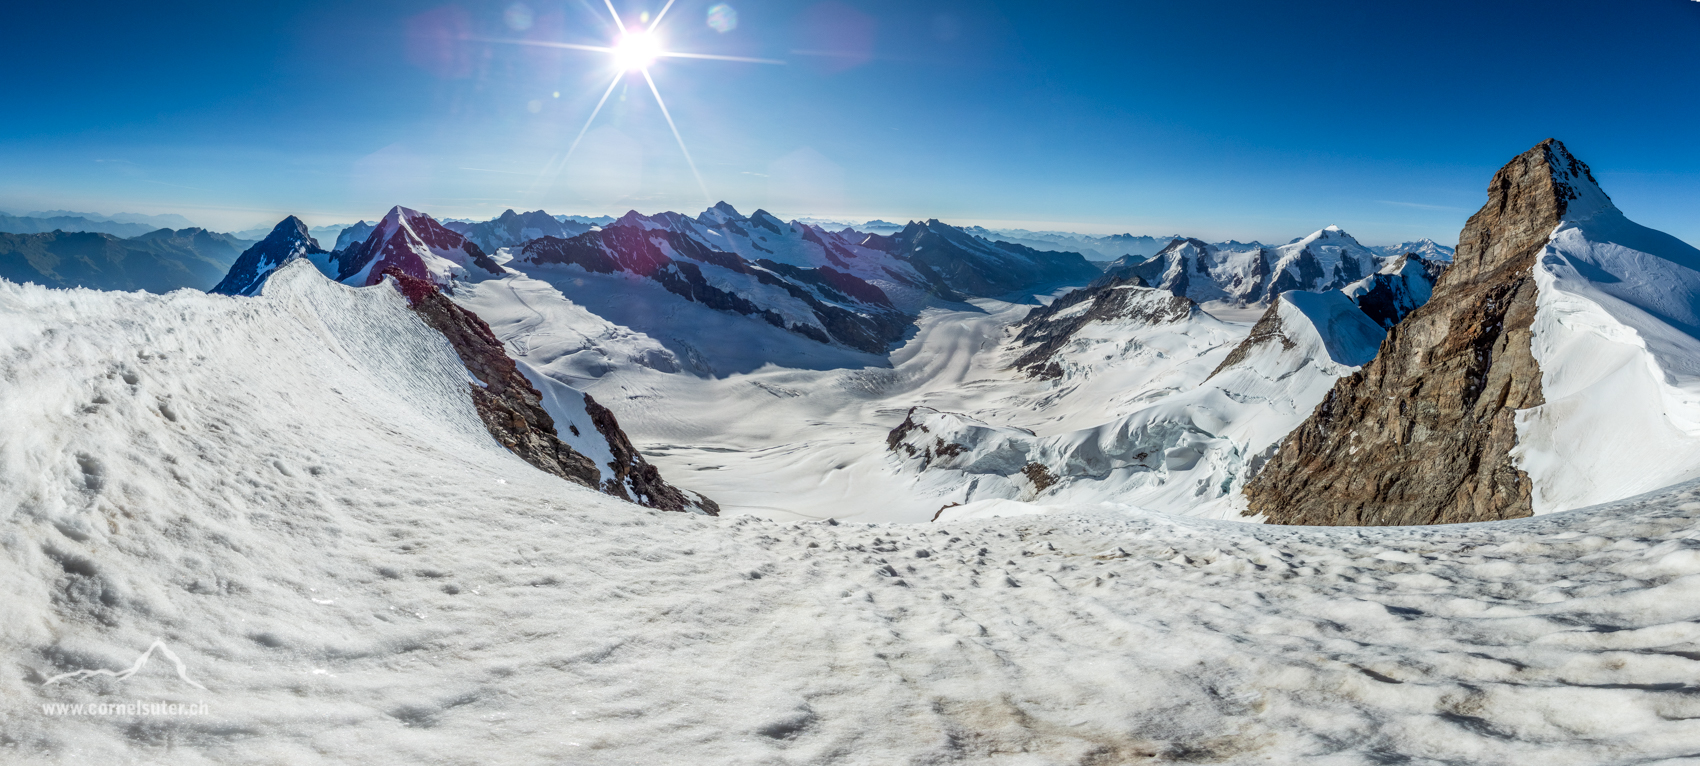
(293, 494)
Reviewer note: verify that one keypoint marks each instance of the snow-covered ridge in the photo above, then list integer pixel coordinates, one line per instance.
(1617, 337)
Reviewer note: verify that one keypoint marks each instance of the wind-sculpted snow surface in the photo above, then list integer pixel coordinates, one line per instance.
(293, 495)
(1615, 334)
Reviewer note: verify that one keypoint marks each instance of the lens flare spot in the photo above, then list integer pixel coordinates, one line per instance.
(722, 18)
(636, 50)
(518, 17)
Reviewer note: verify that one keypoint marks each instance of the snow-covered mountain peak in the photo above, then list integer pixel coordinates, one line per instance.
(1186, 245)
(634, 219)
(416, 244)
(720, 213)
(397, 217)
(768, 221)
(1331, 234)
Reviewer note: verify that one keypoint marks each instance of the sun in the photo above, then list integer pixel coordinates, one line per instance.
(636, 50)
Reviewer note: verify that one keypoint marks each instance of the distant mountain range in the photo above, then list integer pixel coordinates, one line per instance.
(32, 224)
(162, 221)
(511, 229)
(159, 261)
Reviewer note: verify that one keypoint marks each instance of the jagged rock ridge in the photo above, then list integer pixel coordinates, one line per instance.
(512, 409)
(1423, 434)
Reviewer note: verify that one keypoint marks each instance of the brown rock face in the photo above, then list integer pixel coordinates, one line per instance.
(513, 412)
(511, 409)
(1422, 435)
(629, 467)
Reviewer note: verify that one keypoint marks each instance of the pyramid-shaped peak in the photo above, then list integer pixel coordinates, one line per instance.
(291, 225)
(1580, 196)
(726, 208)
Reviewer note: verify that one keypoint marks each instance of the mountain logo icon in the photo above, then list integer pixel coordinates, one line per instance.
(141, 662)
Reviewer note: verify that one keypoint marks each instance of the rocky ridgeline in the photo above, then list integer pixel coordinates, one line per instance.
(1423, 434)
(512, 409)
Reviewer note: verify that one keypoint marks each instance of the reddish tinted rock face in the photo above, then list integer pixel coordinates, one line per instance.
(1423, 434)
(401, 243)
(512, 409)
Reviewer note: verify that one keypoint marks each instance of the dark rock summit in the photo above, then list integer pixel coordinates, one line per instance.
(1422, 435)
(289, 239)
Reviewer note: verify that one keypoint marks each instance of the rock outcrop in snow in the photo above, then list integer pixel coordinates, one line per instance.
(288, 240)
(1192, 449)
(1049, 330)
(517, 416)
(1425, 433)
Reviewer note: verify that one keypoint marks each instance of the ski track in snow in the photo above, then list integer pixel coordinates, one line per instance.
(294, 494)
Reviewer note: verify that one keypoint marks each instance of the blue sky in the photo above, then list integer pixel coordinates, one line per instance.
(1216, 119)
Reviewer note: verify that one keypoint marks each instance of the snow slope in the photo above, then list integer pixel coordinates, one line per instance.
(1617, 337)
(293, 495)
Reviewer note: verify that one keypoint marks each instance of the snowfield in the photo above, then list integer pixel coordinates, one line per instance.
(294, 494)
(1617, 336)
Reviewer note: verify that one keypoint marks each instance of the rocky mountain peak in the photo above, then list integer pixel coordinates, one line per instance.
(292, 228)
(289, 239)
(1424, 433)
(1581, 196)
(1527, 198)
